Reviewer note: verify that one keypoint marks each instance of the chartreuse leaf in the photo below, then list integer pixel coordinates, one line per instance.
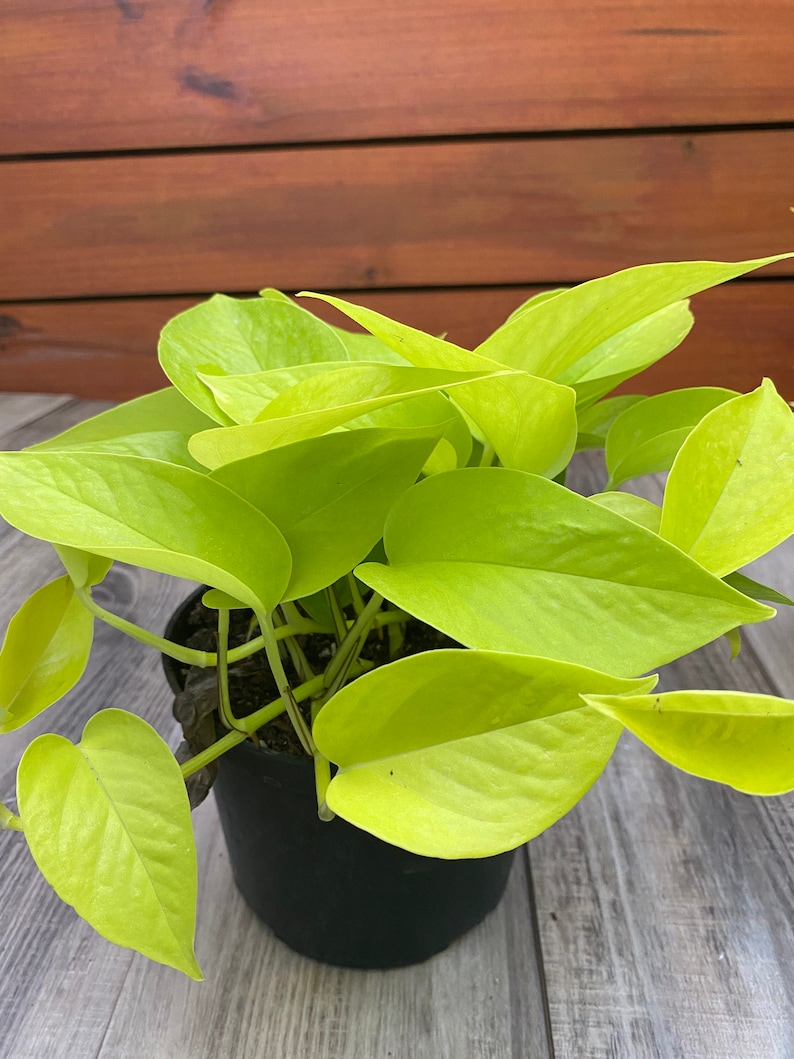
(595, 421)
(421, 349)
(319, 404)
(530, 422)
(744, 740)
(535, 301)
(646, 436)
(244, 397)
(359, 346)
(562, 331)
(367, 347)
(149, 513)
(755, 590)
(348, 483)
(429, 409)
(636, 508)
(734, 638)
(85, 569)
(229, 336)
(44, 653)
(108, 824)
(506, 561)
(627, 353)
(157, 425)
(465, 753)
(730, 493)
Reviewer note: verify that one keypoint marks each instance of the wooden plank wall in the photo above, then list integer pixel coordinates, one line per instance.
(436, 160)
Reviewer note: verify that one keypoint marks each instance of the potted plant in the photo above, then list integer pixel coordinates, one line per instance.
(334, 490)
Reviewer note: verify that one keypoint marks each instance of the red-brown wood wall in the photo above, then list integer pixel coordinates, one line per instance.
(435, 160)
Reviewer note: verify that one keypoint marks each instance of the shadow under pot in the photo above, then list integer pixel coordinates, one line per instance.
(329, 890)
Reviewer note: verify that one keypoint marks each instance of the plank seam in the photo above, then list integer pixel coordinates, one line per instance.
(401, 141)
(342, 291)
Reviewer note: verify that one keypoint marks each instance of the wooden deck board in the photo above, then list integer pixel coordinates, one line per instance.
(160, 73)
(743, 330)
(64, 992)
(422, 214)
(664, 903)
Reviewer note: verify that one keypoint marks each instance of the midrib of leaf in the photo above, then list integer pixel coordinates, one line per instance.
(29, 677)
(141, 860)
(726, 482)
(451, 742)
(562, 573)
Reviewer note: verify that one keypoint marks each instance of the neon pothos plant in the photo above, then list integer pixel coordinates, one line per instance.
(285, 451)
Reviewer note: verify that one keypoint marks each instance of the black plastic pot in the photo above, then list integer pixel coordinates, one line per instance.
(329, 890)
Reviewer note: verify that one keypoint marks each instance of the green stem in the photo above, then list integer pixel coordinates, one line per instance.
(9, 821)
(299, 660)
(285, 691)
(358, 602)
(166, 647)
(349, 645)
(187, 655)
(338, 618)
(486, 460)
(248, 725)
(322, 778)
(224, 702)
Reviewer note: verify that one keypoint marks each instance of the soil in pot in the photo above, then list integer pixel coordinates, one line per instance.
(329, 890)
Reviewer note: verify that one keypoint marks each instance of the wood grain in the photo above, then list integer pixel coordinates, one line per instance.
(404, 215)
(65, 992)
(107, 349)
(478, 999)
(664, 901)
(93, 75)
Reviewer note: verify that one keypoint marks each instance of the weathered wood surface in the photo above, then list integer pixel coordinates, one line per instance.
(65, 993)
(664, 903)
(94, 75)
(456, 213)
(107, 349)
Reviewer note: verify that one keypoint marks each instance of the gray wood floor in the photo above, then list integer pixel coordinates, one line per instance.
(655, 920)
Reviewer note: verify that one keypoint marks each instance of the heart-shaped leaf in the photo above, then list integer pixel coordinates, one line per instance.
(156, 425)
(321, 403)
(230, 336)
(244, 397)
(153, 514)
(530, 422)
(348, 483)
(732, 737)
(507, 561)
(108, 824)
(44, 653)
(465, 753)
(627, 353)
(563, 330)
(646, 436)
(730, 493)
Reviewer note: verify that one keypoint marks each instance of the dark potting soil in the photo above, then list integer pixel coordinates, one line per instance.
(252, 685)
